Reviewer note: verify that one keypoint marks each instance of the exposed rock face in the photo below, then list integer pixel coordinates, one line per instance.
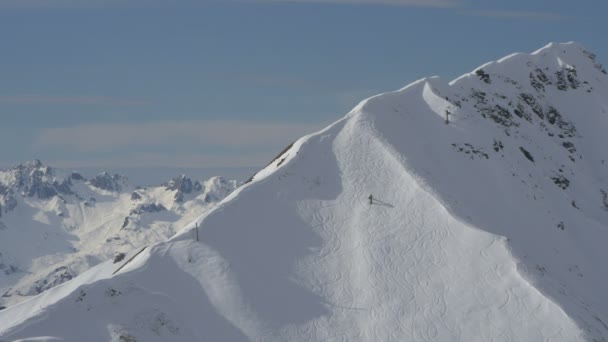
(30, 179)
(108, 182)
(77, 176)
(180, 183)
(33, 179)
(148, 208)
(58, 276)
(183, 185)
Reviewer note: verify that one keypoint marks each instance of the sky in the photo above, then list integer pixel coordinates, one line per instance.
(225, 85)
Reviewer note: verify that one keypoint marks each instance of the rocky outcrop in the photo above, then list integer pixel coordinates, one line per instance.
(59, 276)
(148, 208)
(105, 181)
(183, 185)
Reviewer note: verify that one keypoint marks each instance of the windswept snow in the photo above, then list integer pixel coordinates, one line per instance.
(489, 228)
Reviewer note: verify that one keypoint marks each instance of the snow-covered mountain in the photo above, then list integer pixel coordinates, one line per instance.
(490, 227)
(53, 227)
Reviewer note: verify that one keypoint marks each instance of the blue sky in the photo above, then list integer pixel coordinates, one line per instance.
(227, 84)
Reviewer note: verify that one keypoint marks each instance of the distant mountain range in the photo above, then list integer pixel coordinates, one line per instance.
(54, 226)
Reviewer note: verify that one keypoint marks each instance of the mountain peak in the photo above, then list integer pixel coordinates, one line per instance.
(108, 182)
(437, 212)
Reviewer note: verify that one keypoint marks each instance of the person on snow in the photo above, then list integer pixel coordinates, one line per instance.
(371, 198)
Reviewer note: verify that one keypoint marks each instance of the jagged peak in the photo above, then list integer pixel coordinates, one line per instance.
(181, 183)
(29, 166)
(32, 178)
(108, 182)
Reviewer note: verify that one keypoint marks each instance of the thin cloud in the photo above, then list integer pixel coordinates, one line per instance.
(49, 4)
(503, 14)
(70, 100)
(408, 3)
(179, 136)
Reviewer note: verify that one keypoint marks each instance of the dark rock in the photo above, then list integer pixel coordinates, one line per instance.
(531, 102)
(470, 150)
(183, 185)
(59, 276)
(64, 187)
(539, 86)
(572, 77)
(569, 146)
(555, 118)
(498, 145)
(125, 223)
(107, 182)
(604, 198)
(527, 154)
(147, 208)
(561, 84)
(135, 196)
(33, 179)
(119, 257)
(76, 176)
(113, 293)
(561, 181)
(483, 76)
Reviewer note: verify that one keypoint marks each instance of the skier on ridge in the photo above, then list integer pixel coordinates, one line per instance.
(371, 198)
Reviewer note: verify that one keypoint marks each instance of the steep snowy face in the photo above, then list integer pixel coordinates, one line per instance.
(521, 156)
(486, 221)
(54, 227)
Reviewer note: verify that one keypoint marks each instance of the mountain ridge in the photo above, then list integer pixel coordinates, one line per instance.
(488, 227)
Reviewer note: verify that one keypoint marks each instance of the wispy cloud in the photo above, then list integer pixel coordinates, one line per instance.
(504, 14)
(70, 100)
(179, 136)
(411, 3)
(99, 3)
(43, 4)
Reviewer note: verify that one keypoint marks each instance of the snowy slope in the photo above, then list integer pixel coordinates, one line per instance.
(491, 227)
(55, 227)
